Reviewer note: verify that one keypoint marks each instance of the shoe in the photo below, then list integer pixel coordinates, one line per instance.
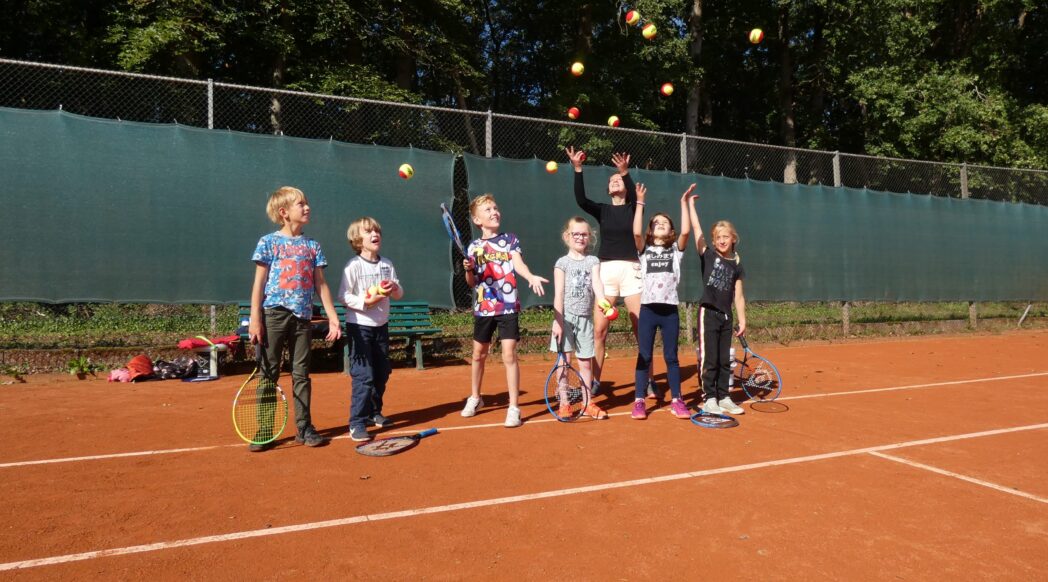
(564, 411)
(359, 434)
(596, 412)
(729, 406)
(639, 412)
(512, 417)
(679, 409)
(378, 420)
(254, 448)
(472, 404)
(712, 407)
(652, 395)
(309, 437)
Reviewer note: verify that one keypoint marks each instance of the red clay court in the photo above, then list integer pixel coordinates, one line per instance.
(911, 459)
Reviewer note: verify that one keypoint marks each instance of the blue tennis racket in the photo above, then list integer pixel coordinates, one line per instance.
(452, 230)
(710, 420)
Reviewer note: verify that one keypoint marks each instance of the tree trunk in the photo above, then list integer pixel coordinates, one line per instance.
(584, 32)
(789, 136)
(276, 117)
(696, 93)
(460, 100)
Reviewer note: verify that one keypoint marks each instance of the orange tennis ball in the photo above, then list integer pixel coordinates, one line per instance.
(613, 121)
(632, 17)
(406, 171)
(577, 69)
(648, 31)
(551, 167)
(666, 89)
(756, 36)
(573, 113)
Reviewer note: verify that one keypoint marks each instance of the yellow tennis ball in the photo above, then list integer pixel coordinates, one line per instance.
(648, 31)
(756, 36)
(666, 89)
(406, 171)
(632, 17)
(551, 167)
(613, 121)
(577, 69)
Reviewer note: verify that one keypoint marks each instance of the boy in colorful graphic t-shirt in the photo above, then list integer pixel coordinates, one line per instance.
(288, 267)
(492, 267)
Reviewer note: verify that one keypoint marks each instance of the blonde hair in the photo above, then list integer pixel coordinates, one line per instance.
(282, 198)
(355, 232)
(649, 238)
(565, 234)
(728, 226)
(482, 199)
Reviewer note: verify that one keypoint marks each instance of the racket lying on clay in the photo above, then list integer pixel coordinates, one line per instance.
(452, 230)
(259, 408)
(758, 377)
(710, 420)
(393, 445)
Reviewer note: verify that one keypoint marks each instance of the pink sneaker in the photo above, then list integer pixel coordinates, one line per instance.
(679, 409)
(639, 412)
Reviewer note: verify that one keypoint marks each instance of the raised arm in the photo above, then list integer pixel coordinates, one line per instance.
(700, 239)
(622, 164)
(638, 218)
(587, 205)
(685, 219)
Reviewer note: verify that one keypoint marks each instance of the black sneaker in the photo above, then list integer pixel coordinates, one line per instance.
(359, 434)
(310, 438)
(256, 448)
(378, 420)
(595, 388)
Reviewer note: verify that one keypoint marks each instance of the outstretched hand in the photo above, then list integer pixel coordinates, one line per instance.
(622, 162)
(642, 191)
(688, 196)
(576, 157)
(535, 283)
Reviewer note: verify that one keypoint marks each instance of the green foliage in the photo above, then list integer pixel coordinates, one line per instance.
(81, 366)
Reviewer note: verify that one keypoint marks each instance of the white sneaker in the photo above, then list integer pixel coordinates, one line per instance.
(472, 404)
(729, 406)
(512, 417)
(711, 407)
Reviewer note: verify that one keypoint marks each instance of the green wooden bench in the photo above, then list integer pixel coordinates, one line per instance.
(411, 320)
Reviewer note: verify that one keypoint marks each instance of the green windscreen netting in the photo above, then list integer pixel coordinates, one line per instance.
(802, 243)
(103, 210)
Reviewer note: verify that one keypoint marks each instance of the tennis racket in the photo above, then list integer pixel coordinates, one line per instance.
(393, 445)
(452, 230)
(710, 420)
(259, 408)
(567, 396)
(758, 377)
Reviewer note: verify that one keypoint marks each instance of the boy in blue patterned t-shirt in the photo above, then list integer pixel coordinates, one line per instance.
(289, 266)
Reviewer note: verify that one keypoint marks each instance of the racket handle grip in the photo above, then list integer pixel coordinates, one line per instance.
(427, 432)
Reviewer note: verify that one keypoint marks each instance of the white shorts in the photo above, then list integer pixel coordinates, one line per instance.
(621, 278)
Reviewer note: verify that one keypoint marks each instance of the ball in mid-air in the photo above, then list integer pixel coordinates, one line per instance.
(756, 36)
(648, 31)
(632, 17)
(551, 167)
(666, 89)
(613, 121)
(573, 113)
(577, 69)
(406, 171)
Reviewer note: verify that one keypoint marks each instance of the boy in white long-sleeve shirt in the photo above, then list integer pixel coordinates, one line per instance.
(368, 281)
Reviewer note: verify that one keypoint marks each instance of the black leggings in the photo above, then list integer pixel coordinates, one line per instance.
(715, 333)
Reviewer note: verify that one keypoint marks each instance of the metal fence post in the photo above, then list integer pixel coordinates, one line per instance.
(487, 135)
(683, 153)
(210, 104)
(836, 169)
(846, 318)
(973, 315)
(964, 180)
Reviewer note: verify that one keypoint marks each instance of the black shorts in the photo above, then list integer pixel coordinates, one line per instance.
(484, 327)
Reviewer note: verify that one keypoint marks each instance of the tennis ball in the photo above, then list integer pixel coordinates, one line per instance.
(577, 69)
(582, 158)
(613, 121)
(612, 314)
(551, 167)
(632, 17)
(406, 171)
(666, 89)
(648, 31)
(573, 113)
(604, 304)
(756, 36)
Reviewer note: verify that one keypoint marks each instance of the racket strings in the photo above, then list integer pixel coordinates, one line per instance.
(260, 412)
(759, 379)
(571, 394)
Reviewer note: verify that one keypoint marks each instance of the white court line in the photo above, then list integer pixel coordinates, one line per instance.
(499, 424)
(961, 477)
(493, 502)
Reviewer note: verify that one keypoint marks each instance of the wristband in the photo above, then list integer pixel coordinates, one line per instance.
(640, 203)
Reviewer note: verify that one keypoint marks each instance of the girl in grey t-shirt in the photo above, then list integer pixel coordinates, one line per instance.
(577, 286)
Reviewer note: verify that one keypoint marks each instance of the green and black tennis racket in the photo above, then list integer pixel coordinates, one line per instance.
(259, 408)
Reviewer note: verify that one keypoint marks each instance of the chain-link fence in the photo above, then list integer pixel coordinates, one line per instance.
(147, 98)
